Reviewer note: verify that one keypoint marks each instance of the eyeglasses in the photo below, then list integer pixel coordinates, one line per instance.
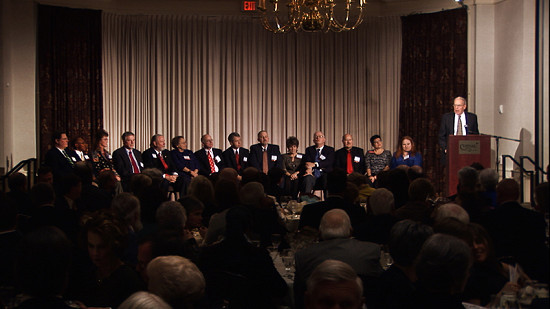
(458, 105)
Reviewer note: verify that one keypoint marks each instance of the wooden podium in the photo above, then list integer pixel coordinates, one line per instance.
(463, 150)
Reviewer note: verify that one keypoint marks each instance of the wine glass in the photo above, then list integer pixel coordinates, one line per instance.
(288, 261)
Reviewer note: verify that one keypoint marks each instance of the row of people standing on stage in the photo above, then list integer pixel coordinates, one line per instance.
(304, 172)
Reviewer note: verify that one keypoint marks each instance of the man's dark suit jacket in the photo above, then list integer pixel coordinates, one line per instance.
(230, 161)
(123, 166)
(59, 164)
(151, 160)
(325, 165)
(341, 159)
(519, 232)
(204, 168)
(447, 127)
(256, 156)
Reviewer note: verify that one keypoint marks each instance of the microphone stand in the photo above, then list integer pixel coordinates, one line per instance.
(497, 139)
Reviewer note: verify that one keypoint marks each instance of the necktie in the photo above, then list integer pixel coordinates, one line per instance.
(135, 168)
(67, 157)
(317, 171)
(349, 164)
(162, 161)
(265, 167)
(237, 159)
(82, 156)
(459, 129)
(211, 162)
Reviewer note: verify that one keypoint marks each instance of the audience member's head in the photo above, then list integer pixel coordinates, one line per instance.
(482, 245)
(454, 227)
(251, 174)
(71, 186)
(144, 256)
(542, 197)
(334, 283)
(193, 209)
(336, 181)
(398, 184)
(229, 174)
(238, 222)
(139, 183)
(467, 179)
(406, 240)
(144, 300)
(201, 188)
(171, 216)
(42, 262)
(252, 194)
(351, 194)
(106, 180)
(451, 210)
(126, 207)
(420, 190)
(227, 194)
(415, 172)
(84, 172)
(488, 179)
(42, 193)
(477, 166)
(443, 263)
(106, 238)
(507, 191)
(17, 182)
(358, 179)
(176, 280)
(44, 174)
(275, 176)
(155, 174)
(381, 202)
(335, 224)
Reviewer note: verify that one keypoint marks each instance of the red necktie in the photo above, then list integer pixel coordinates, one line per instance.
(238, 161)
(211, 162)
(349, 164)
(163, 162)
(135, 167)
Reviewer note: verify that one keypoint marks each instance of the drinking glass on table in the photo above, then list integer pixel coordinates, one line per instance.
(288, 261)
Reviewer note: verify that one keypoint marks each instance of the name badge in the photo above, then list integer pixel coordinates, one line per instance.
(86, 157)
(141, 163)
(74, 159)
(273, 158)
(187, 157)
(356, 159)
(154, 155)
(218, 160)
(299, 156)
(245, 159)
(405, 157)
(322, 157)
(109, 156)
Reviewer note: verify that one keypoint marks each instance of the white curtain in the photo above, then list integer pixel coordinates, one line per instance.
(182, 75)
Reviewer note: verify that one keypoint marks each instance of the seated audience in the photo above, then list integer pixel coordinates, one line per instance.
(442, 270)
(469, 197)
(418, 208)
(334, 283)
(397, 282)
(488, 179)
(126, 208)
(194, 223)
(519, 232)
(336, 243)
(144, 300)
(227, 196)
(361, 181)
(450, 210)
(238, 273)
(42, 267)
(377, 160)
(111, 281)
(406, 154)
(92, 198)
(202, 189)
(176, 280)
(379, 220)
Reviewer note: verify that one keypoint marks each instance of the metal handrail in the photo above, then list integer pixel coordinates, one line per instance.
(31, 169)
(522, 171)
(538, 169)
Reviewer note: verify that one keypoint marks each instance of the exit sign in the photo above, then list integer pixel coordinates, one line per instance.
(249, 6)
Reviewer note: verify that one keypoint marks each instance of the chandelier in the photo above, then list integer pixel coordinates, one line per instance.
(311, 15)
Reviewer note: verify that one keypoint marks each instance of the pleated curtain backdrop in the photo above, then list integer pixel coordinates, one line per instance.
(181, 75)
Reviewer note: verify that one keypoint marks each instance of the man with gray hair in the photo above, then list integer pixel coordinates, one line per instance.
(176, 280)
(336, 283)
(335, 231)
(451, 210)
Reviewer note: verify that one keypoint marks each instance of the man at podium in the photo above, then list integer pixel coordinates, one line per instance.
(459, 122)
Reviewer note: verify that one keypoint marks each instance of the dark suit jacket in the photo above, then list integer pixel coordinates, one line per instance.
(204, 164)
(447, 127)
(341, 159)
(123, 166)
(150, 161)
(362, 256)
(59, 164)
(256, 156)
(325, 165)
(230, 161)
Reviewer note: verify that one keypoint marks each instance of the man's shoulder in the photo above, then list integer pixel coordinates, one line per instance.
(357, 149)
(149, 152)
(255, 147)
(119, 151)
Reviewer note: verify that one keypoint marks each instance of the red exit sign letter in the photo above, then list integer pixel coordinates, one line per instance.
(249, 6)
